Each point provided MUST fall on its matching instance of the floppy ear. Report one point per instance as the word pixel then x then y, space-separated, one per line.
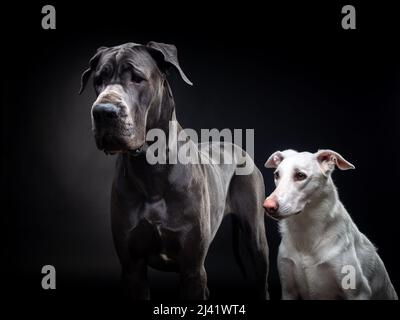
pixel 276 158
pixel 92 65
pixel 169 57
pixel 328 159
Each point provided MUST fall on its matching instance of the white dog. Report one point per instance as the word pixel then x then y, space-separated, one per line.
pixel 322 254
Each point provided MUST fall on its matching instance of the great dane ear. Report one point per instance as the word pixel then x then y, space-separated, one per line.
pixel 92 65
pixel 328 159
pixel 169 55
pixel 277 157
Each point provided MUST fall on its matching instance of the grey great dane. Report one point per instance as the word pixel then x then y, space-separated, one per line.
pixel 166 215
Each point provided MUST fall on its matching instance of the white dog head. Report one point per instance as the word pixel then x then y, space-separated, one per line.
pixel 300 178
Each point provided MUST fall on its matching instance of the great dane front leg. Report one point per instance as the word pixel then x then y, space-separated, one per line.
pixel 194 284
pixel 134 279
pixel 192 272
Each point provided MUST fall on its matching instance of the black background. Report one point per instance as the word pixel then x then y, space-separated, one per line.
pixel 288 71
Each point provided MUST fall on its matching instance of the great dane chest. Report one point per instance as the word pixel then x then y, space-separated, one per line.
pixel 155 235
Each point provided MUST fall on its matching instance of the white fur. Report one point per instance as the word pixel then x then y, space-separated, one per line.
pixel 319 241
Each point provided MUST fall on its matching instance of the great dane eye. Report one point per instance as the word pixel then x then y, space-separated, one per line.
pixel 298 176
pixel 276 175
pixel 136 78
pixel 98 81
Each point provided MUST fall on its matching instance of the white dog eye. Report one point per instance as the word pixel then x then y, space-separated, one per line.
pixel 298 176
pixel 276 175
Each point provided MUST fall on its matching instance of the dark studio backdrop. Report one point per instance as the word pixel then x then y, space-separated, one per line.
pixel 288 71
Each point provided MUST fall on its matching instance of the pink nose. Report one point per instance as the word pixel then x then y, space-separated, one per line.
pixel 271 205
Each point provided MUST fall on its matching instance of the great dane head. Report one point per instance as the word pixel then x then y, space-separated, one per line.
pixel 131 88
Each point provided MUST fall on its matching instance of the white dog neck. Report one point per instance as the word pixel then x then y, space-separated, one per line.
pixel 306 230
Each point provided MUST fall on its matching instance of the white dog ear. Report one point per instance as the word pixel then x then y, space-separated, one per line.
pixel 276 158
pixel 328 159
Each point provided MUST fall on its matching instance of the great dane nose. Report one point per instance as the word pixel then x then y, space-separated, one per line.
pixel 271 205
pixel 105 111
